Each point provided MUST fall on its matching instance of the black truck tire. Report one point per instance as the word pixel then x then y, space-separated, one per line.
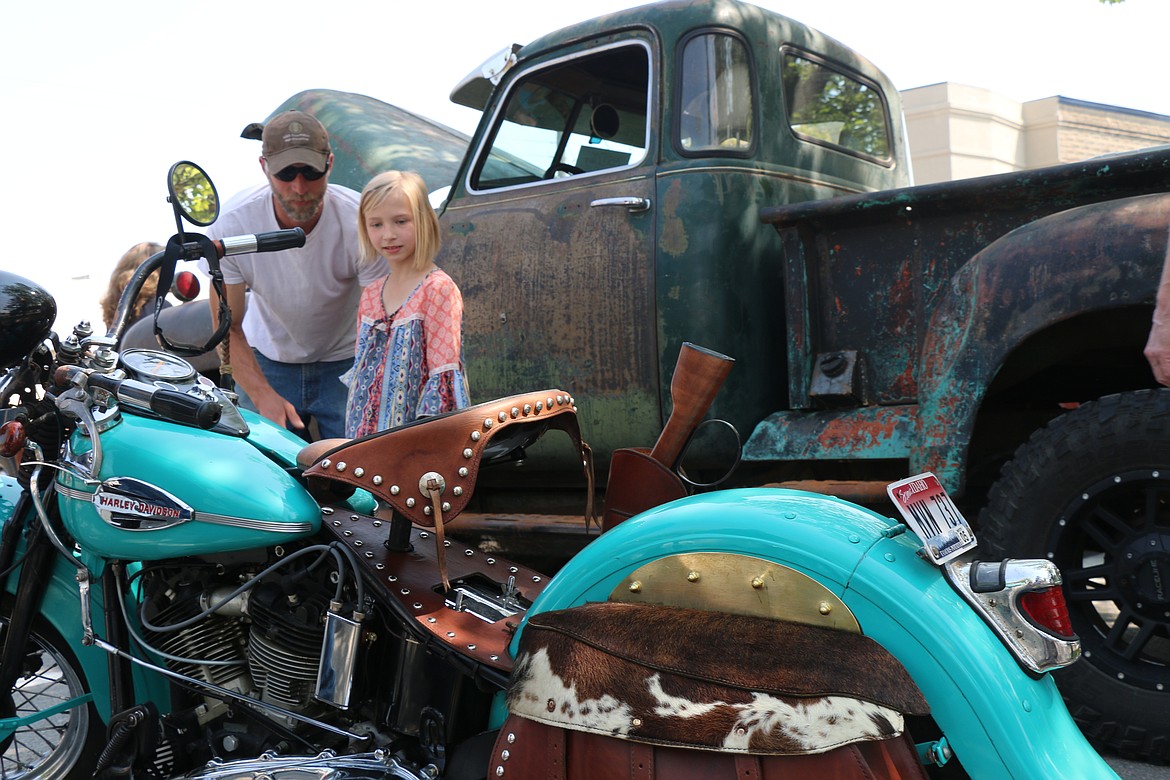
pixel 1091 492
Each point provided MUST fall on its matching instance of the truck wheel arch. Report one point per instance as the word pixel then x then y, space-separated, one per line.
pixel 1092 260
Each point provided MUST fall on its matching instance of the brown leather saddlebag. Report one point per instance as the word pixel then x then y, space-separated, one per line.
pixel 640 691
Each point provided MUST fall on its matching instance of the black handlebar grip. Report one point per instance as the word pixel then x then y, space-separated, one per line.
pixel 276 240
pixel 187 409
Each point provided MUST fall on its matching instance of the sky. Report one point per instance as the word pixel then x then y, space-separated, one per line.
pixel 101 98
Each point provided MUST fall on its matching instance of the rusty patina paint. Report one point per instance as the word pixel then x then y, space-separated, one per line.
pixel 944 287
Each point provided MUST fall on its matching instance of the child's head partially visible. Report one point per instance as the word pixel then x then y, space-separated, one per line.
pixel 409 190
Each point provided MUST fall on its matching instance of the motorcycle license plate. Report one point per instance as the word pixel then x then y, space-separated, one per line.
pixel 933 516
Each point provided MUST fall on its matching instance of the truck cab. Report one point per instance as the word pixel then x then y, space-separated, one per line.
pixel 608 207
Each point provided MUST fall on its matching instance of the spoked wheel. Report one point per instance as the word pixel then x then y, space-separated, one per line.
pixel 65 745
pixel 1091 492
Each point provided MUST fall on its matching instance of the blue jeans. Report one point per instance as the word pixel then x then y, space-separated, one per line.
pixel 314 389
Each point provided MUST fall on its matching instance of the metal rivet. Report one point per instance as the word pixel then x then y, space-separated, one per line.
pixel 405 591
pixel 418 605
pixel 336 523
pixel 469 553
pixel 355 518
pixel 539 406
pixel 496 658
pixel 347 533
pixel 560 400
pixel 369 554
pixel 377 480
pixel 424 535
pixel 475 435
pixel 825 608
pixel 427 510
pixel 515 412
pixel 513 569
pixel 326 510
pixel 693 576
pixel 548 402
pixel 341 465
pixel 357 542
pixel 451 634
pixel 635 587
pixel 527 409
pixel 410 503
pixel 505 754
pixel 491 561
pixel 503 416
pixel 326 463
pixel 359 472
pixel 379 566
pixel 446 542
pixel 392 578
pixel 499 771
pixel 758 583
pixel 536 578
pixel 636 722
pixel 377 524
pixel 471 647
pixel 446 506
pixel 463 472
pixel 511 738
pixel 487 423
pixel 467 453
pixel 394 489
pixel 457 490
pixel 432 620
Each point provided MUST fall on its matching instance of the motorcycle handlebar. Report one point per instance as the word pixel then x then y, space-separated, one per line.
pixel 168 404
pixel 272 241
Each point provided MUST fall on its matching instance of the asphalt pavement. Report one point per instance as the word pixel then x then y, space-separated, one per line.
pixel 1132 770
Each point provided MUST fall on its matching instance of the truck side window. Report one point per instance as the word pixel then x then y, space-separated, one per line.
pixel 575 116
pixel 827 106
pixel 715 95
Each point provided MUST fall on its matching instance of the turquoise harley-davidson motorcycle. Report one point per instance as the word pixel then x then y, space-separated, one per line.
pixel 190 591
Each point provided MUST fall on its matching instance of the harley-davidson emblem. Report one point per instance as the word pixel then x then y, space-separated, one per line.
pixel 134 505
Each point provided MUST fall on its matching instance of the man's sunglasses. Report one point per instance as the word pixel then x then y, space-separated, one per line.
pixel 290 173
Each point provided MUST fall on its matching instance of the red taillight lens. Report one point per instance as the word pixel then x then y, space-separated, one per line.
pixel 1047 609
pixel 185 286
pixel 12 438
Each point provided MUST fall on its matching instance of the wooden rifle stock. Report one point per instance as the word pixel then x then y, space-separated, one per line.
pixel 698 375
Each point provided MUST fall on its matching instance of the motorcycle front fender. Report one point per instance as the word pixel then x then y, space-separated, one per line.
pixel 1001 721
pixel 61 608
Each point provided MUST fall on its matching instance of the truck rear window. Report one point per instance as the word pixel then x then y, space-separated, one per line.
pixel 830 107
pixel 715 95
pixel 572 117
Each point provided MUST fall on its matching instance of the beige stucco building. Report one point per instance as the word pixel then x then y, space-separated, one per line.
pixel 957 131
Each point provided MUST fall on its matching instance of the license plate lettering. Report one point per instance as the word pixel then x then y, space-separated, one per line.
pixel 931 514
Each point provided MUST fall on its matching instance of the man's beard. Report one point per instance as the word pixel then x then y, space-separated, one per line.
pixel 304 211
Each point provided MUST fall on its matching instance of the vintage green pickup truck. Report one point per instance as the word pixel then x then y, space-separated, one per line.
pixel 716 173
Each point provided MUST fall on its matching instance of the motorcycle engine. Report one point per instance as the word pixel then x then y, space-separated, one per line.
pixel 264 642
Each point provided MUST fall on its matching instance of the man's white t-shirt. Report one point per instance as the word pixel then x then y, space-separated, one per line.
pixel 303 302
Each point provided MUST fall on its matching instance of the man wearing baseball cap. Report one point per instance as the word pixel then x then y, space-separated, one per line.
pixel 293 336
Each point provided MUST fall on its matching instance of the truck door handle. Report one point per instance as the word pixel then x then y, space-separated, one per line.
pixel 635 205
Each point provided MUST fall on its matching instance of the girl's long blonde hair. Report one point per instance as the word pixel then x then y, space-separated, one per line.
pixel 426 222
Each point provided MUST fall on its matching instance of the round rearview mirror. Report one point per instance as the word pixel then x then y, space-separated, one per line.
pixel 193 194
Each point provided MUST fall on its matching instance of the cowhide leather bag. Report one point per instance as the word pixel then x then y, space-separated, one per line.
pixel 612 691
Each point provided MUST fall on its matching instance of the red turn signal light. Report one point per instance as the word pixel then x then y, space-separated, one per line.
pixel 1048 610
pixel 186 286
pixel 12 438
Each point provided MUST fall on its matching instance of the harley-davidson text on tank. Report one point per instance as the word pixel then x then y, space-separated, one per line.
pixel 134 505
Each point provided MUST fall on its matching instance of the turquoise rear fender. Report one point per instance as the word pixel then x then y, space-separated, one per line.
pixel 1001 722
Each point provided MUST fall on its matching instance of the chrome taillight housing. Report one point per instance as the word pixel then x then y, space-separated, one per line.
pixel 1022 602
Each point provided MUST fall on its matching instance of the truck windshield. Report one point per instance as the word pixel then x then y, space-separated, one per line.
pixel 575 116
pixel 828 106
